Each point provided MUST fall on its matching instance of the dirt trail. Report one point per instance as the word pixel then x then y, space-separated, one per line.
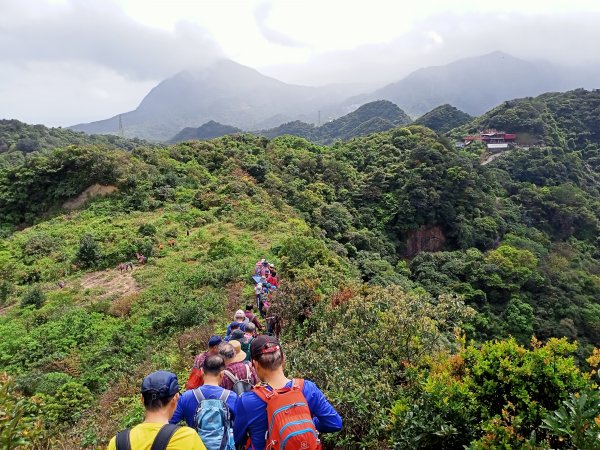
pixel 111 282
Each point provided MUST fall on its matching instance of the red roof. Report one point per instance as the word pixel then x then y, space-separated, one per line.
pixel 510 136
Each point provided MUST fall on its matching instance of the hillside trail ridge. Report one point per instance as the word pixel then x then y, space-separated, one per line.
pixel 94 190
pixel 493 156
pixel 111 282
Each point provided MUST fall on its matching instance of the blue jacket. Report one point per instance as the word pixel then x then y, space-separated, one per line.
pixel 242 327
pixel 187 404
pixel 251 415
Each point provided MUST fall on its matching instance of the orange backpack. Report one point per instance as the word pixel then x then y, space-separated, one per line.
pixel 290 424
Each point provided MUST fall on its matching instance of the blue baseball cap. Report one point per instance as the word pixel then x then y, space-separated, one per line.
pixel 214 340
pixel 162 383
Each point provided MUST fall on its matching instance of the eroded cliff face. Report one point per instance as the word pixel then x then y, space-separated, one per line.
pixel 427 238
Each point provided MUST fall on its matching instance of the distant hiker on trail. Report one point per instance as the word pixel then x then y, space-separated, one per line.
pixel 258 288
pixel 239 374
pixel 252 318
pixel 240 318
pixel 272 280
pixel 160 247
pixel 61 284
pixel 130 265
pixel 171 242
pixel 122 267
pixel 272 270
pixel 281 410
pixel 209 409
pixel 160 395
pixel 187 232
pixel 258 266
pixel 141 259
pixel 196 377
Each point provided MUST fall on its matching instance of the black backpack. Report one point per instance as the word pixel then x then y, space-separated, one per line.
pixel 161 441
pixel 243 385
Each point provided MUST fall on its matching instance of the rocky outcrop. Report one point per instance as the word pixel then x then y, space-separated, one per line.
pixel 426 238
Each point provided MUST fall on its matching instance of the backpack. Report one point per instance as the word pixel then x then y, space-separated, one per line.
pixel 290 423
pixel 240 386
pixel 161 441
pixel 245 343
pixel 212 421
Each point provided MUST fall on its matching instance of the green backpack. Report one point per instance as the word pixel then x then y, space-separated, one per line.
pixel 245 344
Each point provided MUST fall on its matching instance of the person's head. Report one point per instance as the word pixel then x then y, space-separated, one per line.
pixel 240 355
pixel 227 351
pixel 250 328
pixel 267 356
pixel 213 367
pixel 236 335
pixel 239 316
pixel 235 326
pixel 213 344
pixel 249 307
pixel 160 392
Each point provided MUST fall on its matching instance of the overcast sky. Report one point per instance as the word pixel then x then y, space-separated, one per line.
pixel 69 61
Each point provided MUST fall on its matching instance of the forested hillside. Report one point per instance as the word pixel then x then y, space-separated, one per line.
pixel 20 137
pixel 444 118
pixel 372 117
pixel 438 303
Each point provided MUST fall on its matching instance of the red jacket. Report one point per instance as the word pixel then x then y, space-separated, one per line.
pixel 272 281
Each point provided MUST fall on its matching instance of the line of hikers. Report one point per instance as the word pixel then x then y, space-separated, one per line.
pixel 237 395
pixel 240 405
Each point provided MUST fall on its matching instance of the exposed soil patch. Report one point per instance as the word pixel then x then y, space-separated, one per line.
pixel 111 283
pixel 93 191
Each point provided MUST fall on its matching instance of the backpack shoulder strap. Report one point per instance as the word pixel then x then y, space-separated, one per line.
pixel 248 373
pixel 199 395
pixel 298 383
pixel 231 376
pixel 225 395
pixel 161 441
pixel 122 440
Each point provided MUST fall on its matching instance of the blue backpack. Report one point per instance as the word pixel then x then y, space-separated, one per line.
pixel 212 421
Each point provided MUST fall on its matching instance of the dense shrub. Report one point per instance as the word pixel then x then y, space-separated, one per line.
pixel 33 297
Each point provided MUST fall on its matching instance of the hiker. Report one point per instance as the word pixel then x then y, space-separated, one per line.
pixel 239 375
pixel 160 396
pixel 235 326
pixel 251 317
pixel 279 409
pixel 171 242
pixel 61 284
pixel 258 266
pixel 209 409
pixel 187 232
pixel 122 267
pixel 213 349
pixel 272 280
pixel 246 340
pixel 130 264
pixel 240 318
pixel 272 269
pixel 258 288
pixel 196 377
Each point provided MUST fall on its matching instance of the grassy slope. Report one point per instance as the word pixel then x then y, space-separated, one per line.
pixel 111 342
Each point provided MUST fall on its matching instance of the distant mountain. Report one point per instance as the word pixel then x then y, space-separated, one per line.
pixel 370 118
pixel 209 130
pixel 475 85
pixel 225 92
pixel 444 118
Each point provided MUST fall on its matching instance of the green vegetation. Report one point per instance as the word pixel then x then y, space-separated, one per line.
pixel 438 303
pixel 372 117
pixel 444 118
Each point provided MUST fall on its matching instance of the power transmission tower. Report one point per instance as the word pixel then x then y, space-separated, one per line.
pixel 121 130
pixel 319 117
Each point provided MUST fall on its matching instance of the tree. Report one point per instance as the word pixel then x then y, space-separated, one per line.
pixel 89 253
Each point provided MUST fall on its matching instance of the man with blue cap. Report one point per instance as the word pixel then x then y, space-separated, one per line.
pixel 160 393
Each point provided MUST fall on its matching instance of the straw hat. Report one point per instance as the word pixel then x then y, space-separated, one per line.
pixel 240 355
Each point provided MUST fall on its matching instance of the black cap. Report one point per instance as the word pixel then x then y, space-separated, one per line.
pixel 263 344
pixel 163 383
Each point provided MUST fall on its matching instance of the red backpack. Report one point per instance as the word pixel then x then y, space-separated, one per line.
pixel 290 424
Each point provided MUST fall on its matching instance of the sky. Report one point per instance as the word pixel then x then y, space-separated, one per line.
pixel 69 61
